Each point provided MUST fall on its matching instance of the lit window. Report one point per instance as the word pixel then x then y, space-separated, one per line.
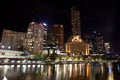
pixel 51 51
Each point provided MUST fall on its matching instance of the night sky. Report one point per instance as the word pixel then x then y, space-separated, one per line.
pixel 100 15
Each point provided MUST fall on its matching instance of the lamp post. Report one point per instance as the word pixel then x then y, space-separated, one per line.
pixel 2 46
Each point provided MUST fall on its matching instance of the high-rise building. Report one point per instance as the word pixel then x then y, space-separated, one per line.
pixel 36 36
pixel 75 21
pixel 56 35
pixel 75 44
pixel 13 39
pixel 97 43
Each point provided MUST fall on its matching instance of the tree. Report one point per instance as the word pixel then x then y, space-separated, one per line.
pixel 53 56
pixel 37 56
pixel 21 48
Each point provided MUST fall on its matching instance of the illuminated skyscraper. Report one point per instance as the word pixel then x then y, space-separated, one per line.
pixel 75 21
pixel 98 43
pixel 56 35
pixel 36 35
pixel 13 39
pixel 75 44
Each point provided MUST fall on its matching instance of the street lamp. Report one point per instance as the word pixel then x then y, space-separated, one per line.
pixel 9 47
pixel 3 46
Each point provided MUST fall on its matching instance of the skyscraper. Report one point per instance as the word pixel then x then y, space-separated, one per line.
pixel 97 43
pixel 36 35
pixel 75 44
pixel 56 35
pixel 75 21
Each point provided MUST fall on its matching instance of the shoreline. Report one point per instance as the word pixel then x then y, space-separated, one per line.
pixel 39 62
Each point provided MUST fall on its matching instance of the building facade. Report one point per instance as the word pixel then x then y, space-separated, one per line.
pixel 96 43
pixel 56 35
pixel 77 46
pixel 36 35
pixel 75 21
pixel 107 48
pixel 12 39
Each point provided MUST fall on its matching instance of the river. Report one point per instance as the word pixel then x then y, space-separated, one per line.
pixel 81 71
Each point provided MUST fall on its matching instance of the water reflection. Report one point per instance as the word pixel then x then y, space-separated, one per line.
pixel 83 71
pixel 110 72
pixel 5 78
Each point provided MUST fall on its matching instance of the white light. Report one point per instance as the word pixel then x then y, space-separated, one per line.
pixel 9 47
pixel 18 61
pixel 24 66
pixel 3 46
pixel 38 65
pixel 12 66
pixel 29 65
pixel 18 65
pixel 58 52
pixel 6 60
pixel 33 65
pixel 12 61
pixel 44 24
pixel 29 61
pixel 32 22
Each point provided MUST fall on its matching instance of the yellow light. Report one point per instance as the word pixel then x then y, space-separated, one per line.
pixel 76 38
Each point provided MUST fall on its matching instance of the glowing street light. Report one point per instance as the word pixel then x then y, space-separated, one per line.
pixel 3 46
pixel 44 24
pixel 9 47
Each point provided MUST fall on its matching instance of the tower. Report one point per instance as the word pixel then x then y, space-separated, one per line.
pixel 75 21
pixel 75 44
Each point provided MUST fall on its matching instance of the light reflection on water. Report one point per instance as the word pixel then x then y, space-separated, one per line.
pixel 83 71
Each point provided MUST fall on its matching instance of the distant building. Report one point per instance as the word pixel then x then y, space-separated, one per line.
pixel 107 47
pixel 36 37
pixel 12 39
pixel 56 35
pixel 96 43
pixel 88 40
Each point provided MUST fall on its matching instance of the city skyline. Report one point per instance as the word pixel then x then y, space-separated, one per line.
pixel 102 18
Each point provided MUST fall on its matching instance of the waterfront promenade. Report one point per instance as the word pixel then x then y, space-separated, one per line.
pixel 11 61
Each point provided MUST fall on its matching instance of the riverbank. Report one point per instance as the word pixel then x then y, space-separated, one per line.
pixel 39 62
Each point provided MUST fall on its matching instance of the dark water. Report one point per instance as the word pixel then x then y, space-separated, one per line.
pixel 83 71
